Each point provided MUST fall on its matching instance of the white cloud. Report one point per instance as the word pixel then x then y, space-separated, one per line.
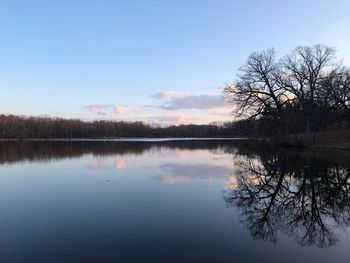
pixel 121 110
pixel 176 173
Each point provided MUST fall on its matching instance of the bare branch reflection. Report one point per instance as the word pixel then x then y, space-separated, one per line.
pixel 305 197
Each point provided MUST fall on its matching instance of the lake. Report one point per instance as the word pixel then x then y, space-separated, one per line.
pixel 172 201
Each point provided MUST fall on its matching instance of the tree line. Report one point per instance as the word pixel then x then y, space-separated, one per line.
pixel 304 91
pixel 21 127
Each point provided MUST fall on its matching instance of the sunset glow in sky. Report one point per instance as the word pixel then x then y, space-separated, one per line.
pixel 155 61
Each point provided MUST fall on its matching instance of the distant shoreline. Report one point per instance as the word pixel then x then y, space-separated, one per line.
pixel 131 139
pixel 335 140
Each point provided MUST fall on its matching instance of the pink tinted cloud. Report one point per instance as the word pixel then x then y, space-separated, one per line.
pixel 97 108
pixel 122 110
pixel 120 164
pixel 137 110
pixel 168 94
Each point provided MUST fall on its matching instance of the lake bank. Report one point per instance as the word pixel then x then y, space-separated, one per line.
pixel 129 139
pixel 338 140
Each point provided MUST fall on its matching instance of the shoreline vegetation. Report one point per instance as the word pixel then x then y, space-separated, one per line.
pixel 20 128
pixel 337 140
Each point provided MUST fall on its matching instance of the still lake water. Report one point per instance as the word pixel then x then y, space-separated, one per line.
pixel 172 201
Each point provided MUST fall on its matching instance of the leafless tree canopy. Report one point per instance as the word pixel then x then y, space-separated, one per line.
pixel 299 87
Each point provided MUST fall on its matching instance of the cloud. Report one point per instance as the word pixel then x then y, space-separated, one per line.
pixel 100 164
pixel 202 102
pixel 171 120
pixel 120 164
pixel 175 173
pixel 137 110
pixel 167 94
pixel 231 183
pixel 223 112
pixel 121 110
pixel 97 108
pixel 165 119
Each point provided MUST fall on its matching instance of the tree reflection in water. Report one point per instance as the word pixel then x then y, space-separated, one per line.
pixel 302 195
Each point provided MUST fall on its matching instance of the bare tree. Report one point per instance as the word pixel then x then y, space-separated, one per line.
pixel 304 73
pixel 337 88
pixel 305 69
pixel 257 92
pixel 303 91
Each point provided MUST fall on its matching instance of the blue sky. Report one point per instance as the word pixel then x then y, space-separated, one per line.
pixel 157 61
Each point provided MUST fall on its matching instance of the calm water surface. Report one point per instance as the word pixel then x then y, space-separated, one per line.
pixel 172 201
